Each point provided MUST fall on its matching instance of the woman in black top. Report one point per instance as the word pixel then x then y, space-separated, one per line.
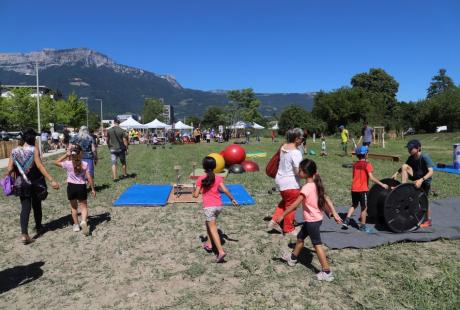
pixel 26 164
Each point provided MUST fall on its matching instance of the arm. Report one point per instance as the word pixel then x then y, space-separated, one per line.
pixel 94 150
pixel 107 139
pixel 224 189
pixel 376 181
pixel 418 183
pixel 330 207
pixel 196 193
pixel 126 143
pixel 41 167
pixel 290 208
pixel 58 162
pixel 91 183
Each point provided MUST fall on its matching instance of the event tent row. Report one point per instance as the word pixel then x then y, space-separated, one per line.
pixel 156 124
pixel 131 123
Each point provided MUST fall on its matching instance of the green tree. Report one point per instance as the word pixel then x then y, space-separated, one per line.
pixel 195 120
pixel 378 81
pixel 22 110
pixel 439 83
pixel 71 112
pixel 244 105
pixel 295 116
pixel 153 108
pixel 213 117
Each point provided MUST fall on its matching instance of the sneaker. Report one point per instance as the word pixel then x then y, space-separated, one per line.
pixel 76 227
pixel 287 257
pixel 220 258
pixel 346 223
pixel 426 224
pixel 272 225
pixel 322 276
pixel 366 229
pixel 84 228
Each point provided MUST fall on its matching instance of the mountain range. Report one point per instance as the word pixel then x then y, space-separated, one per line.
pixel 91 74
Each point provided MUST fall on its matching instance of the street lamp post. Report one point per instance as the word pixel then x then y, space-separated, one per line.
pixel 39 125
pixel 87 109
pixel 102 125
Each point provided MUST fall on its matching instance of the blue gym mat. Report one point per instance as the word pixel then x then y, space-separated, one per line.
pixel 448 169
pixel 144 195
pixel 239 193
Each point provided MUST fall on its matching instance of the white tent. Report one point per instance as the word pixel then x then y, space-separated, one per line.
pixel 156 124
pixel 275 127
pixel 257 126
pixel 181 126
pixel 131 123
pixel 240 125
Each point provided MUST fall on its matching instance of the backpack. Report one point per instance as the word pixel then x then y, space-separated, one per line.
pixel 272 166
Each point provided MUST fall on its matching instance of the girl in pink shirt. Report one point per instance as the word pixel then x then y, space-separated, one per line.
pixel 77 174
pixel 209 185
pixel 314 203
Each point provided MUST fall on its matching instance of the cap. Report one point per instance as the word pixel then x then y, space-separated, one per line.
pixel 341 127
pixel 413 144
pixel 116 120
pixel 361 150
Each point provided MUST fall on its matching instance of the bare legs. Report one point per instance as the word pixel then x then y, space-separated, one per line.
pixel 213 236
pixel 319 252
pixel 74 210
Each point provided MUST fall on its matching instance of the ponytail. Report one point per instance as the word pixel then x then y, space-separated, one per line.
pixel 75 155
pixel 308 167
pixel 209 164
pixel 320 192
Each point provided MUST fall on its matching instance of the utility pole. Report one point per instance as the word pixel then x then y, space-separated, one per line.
pixel 102 124
pixel 39 125
pixel 87 110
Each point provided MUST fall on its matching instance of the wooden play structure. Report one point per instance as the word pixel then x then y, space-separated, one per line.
pixel 379 136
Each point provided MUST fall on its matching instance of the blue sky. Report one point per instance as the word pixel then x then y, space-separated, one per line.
pixel 271 46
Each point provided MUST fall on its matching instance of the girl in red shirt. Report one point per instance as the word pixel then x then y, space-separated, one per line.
pixel 210 186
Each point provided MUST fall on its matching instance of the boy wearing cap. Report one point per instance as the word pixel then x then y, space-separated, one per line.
pixel 418 168
pixel 362 172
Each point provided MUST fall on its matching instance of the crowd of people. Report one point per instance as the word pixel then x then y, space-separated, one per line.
pixel 80 159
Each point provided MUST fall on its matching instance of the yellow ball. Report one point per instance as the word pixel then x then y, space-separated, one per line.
pixel 220 162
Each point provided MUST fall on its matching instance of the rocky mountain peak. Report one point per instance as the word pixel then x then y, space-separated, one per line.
pixel 24 63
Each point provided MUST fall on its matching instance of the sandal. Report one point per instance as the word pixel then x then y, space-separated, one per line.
pixel 27 241
pixel 220 258
pixel 206 247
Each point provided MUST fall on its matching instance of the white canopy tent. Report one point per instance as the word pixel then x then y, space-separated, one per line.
pixel 257 126
pixel 181 126
pixel 275 127
pixel 132 123
pixel 240 125
pixel 156 124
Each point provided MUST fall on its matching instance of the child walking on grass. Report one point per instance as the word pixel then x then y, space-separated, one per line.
pixel 209 185
pixel 314 202
pixel 362 172
pixel 77 174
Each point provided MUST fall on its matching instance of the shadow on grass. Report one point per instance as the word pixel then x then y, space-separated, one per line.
pixel 100 188
pixel 223 239
pixel 14 277
pixel 66 221
pixel 305 258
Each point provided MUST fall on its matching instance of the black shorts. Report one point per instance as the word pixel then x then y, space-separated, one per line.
pixel 359 198
pixel 311 229
pixel 76 191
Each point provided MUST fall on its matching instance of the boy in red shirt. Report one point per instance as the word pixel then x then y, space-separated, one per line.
pixel 362 172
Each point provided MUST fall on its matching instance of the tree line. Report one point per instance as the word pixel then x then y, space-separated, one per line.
pixel 371 97
pixel 20 111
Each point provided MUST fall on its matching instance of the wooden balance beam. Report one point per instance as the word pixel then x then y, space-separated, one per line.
pixel 394 158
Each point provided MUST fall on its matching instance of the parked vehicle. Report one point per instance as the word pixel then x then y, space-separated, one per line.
pixel 409 131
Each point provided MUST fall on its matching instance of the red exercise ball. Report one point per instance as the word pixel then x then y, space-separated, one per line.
pixel 234 154
pixel 250 166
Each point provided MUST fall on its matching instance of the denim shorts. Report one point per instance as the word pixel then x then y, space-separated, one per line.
pixel 211 213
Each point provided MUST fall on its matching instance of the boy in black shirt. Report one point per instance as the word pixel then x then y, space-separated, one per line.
pixel 418 168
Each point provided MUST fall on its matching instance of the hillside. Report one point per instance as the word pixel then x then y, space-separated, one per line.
pixel 123 88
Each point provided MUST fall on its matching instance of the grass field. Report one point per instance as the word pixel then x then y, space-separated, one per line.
pixel 151 258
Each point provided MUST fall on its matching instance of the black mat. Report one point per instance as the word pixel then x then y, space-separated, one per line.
pixel 446 224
